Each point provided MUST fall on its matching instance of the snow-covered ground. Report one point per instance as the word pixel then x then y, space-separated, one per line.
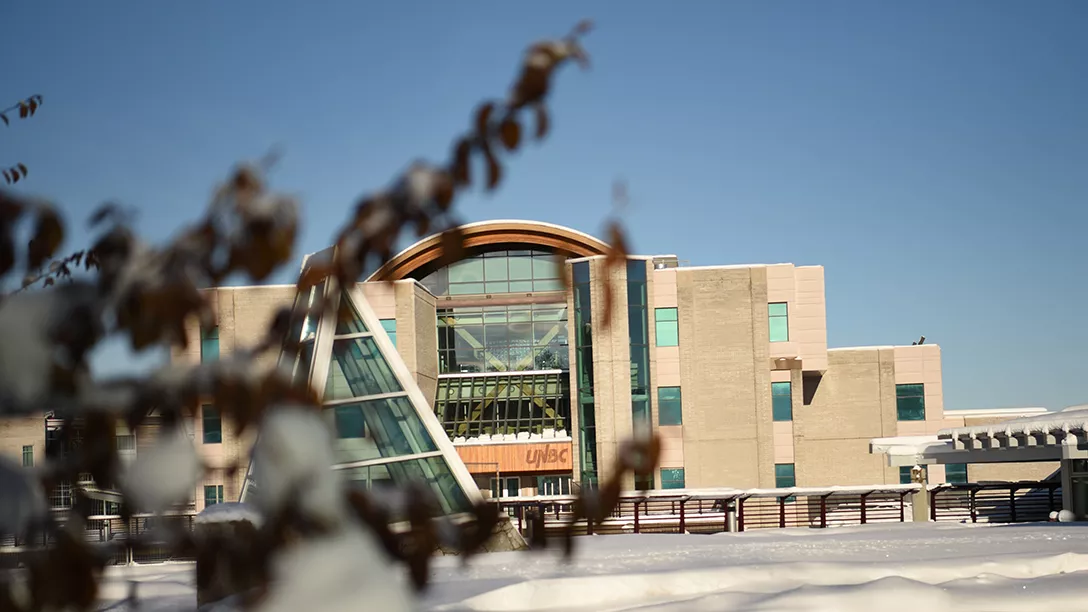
pixel 910 566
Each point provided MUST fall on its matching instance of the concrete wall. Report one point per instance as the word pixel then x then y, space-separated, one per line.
pixel 17 432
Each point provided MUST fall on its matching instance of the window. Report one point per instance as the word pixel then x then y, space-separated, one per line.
pixel 669 406
pixel 390 327
pixel 349 422
pixel 213 424
pixel 904 475
pixel 510 487
pixel 672 478
pixel 553 485
pixel 779 320
pixel 513 338
pixel 667 327
pixel 955 473
pixel 474 406
pixel 213 494
pixel 910 402
pixel 516 271
pixel 209 344
pixel 784 477
pixel 782 401
pixel 28 456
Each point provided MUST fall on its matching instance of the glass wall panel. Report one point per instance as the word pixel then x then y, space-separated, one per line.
pixel 669 406
pixel 672 478
pixel 392 428
pixel 583 325
pixel 498 272
pixel 432 471
pixel 784 477
pixel 358 370
pixel 955 473
pixel 667 327
pixel 502 338
pixel 778 320
pixel 503 405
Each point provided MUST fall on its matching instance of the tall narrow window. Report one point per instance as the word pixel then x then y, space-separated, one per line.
pixel 782 401
pixel 904 474
pixel 669 406
pixel 955 473
pixel 784 477
pixel 209 344
pixel 672 478
pixel 28 456
pixel 212 423
pixel 390 327
pixel 667 327
pixel 505 487
pixel 778 317
pixel 910 402
pixel 639 334
pixel 213 494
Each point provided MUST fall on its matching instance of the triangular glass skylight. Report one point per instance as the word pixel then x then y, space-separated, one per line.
pixel 385 430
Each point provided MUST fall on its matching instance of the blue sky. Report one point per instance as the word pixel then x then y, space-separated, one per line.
pixel 933 156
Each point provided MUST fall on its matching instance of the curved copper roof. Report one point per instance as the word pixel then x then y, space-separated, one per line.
pixel 526 234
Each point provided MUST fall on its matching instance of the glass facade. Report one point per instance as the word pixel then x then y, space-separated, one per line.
pixel 639 334
pixel 782 401
pixel 784 477
pixel 498 272
pixel 779 320
pixel 910 402
pixel 381 434
pixel 667 327
pixel 473 406
pixel 503 338
pixel 583 343
pixel 672 478
pixel 669 406
pixel 213 494
pixel 211 424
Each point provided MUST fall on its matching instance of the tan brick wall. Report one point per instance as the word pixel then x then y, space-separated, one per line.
pixel 854 403
pixel 17 432
pixel 417 335
pixel 725 375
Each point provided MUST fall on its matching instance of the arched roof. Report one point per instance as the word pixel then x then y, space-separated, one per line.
pixel 481 235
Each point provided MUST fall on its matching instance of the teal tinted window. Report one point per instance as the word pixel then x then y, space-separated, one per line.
pixel 782 401
pixel 669 410
pixel 209 344
pixel 28 456
pixel 667 327
pixel 955 473
pixel 784 476
pixel 348 321
pixel 212 424
pixel 431 471
pixel 357 370
pixel 779 321
pixel 390 327
pixel 349 421
pixel 910 402
pixel 904 475
pixel 213 494
pixel 393 426
pixel 672 478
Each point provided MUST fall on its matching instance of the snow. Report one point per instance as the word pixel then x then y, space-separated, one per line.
pixel 1073 418
pixel 227 512
pixel 165 474
pixel 940 566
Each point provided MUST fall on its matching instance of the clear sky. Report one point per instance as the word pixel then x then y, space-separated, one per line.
pixel 932 155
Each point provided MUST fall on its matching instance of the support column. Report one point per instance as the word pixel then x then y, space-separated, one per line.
pixel 1066 469
pixel 919 504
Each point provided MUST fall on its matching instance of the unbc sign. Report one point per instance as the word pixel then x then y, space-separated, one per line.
pixel 549 458
pixel 517 457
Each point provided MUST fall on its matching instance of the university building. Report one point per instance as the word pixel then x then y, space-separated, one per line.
pixel 728 364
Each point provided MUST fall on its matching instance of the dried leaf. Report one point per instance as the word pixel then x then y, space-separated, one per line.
pixel 453 245
pixel 510 131
pixel 33 106
pixel 48 235
pixel 4 118
pixel 461 160
pixel 542 124
pixel 494 171
pixel 21 168
pixel 483 116
pixel 24 110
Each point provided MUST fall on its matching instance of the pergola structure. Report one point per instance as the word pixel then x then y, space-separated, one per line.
pixel 1054 436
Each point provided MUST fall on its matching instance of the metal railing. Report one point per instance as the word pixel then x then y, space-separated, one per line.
pixel 108 530
pixel 1005 502
pixel 714 511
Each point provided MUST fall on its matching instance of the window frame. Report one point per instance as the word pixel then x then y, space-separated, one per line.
pixel 901 396
pixel 664 403
pixel 28 455
pixel 671 481
pixel 966 473
pixel 390 328
pixel 504 489
pixel 208 337
pixel 217 491
pixel 204 418
pixel 905 475
pixel 779 478
pixel 661 322
pixel 775 412
pixel 772 317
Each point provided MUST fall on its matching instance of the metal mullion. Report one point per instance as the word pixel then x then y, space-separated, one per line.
pixel 386 460
pixel 365 398
pixel 353 336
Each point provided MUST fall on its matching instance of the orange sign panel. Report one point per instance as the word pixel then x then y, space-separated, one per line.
pixel 541 457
